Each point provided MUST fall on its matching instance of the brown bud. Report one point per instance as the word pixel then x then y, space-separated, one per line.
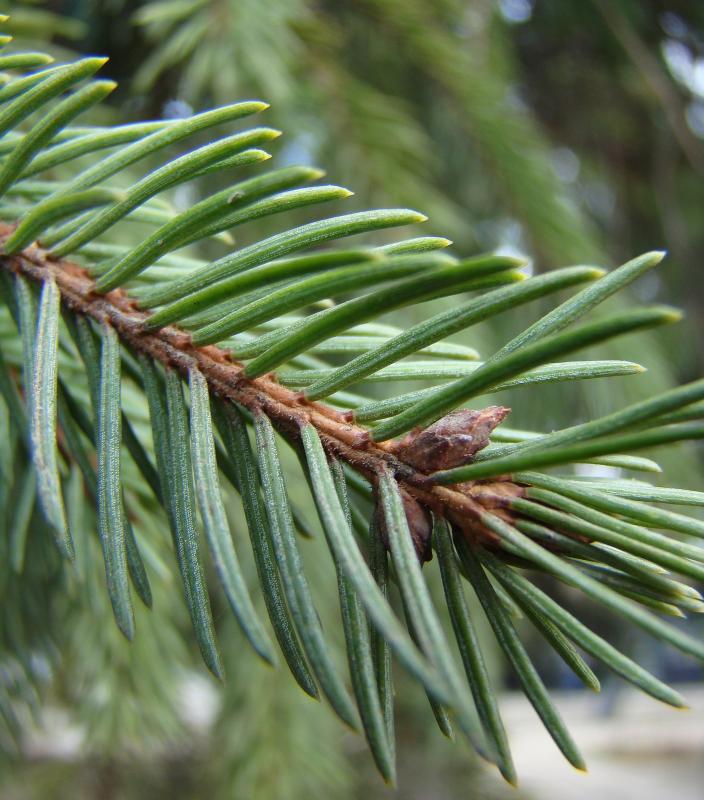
pixel 451 441
pixel 496 496
pixel 419 524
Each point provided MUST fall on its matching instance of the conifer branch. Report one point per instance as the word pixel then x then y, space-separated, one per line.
pixel 453 482
pixel 288 411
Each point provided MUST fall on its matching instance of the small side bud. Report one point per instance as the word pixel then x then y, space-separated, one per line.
pixel 419 524
pixel 451 441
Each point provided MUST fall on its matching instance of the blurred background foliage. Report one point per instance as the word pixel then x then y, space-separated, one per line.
pixel 568 132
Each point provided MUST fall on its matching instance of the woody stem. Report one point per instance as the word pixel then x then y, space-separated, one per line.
pixel 287 410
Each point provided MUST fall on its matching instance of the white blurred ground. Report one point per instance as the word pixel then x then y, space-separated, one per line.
pixel 640 750
pixel 635 748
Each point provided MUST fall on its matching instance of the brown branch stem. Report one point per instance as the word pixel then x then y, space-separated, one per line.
pixel 287 410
